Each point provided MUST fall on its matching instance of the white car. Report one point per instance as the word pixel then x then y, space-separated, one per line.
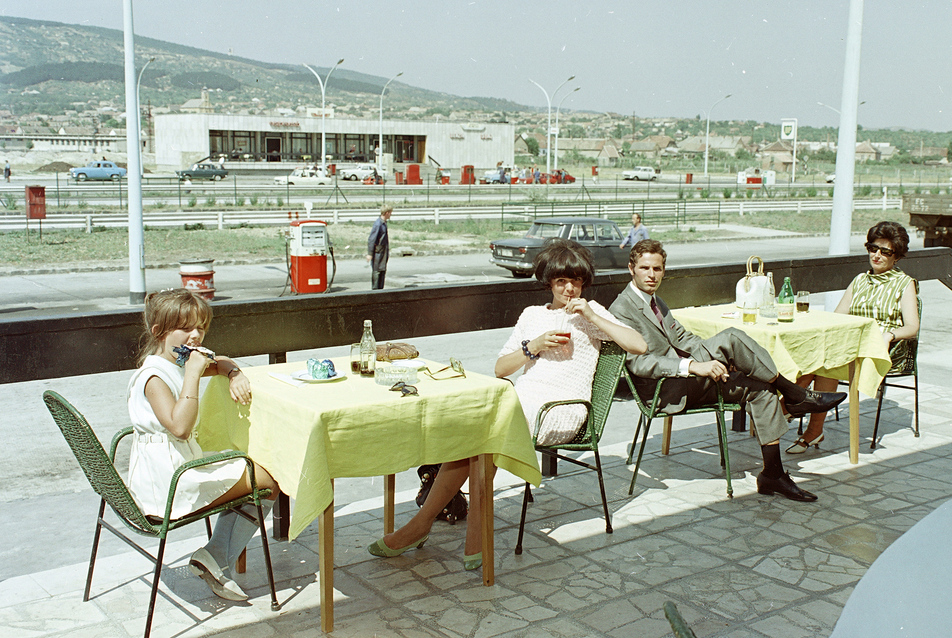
pixel 313 176
pixel 357 172
pixel 640 173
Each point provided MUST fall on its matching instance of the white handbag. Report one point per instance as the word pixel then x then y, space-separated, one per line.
pixel 750 289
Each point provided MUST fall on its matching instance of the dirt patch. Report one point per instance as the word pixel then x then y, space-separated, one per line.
pixel 54 167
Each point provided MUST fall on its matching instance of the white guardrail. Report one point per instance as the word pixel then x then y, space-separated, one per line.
pixel 228 218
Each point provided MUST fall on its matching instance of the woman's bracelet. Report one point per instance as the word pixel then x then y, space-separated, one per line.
pixel 525 350
pixel 233 371
pixel 185 396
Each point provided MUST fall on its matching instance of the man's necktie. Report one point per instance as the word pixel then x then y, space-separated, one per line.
pixel 657 311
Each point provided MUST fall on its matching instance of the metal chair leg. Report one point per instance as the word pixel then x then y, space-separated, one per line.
pixel 155 586
pixel 879 407
pixel 601 487
pixel 208 527
pixel 267 557
pixel 92 556
pixel 641 451
pixel 725 454
pixel 522 519
pixel 915 404
pixel 634 441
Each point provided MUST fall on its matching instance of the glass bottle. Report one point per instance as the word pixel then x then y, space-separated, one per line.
pixel 368 350
pixel 786 303
pixel 768 309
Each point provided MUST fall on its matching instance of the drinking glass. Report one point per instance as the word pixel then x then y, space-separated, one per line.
pixel 803 301
pixel 355 358
pixel 749 312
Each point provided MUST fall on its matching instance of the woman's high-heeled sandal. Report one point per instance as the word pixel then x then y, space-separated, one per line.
pixel 801 445
pixel 472 561
pixel 379 548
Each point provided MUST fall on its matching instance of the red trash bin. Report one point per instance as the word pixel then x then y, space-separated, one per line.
pixel 36 202
pixel 413 174
pixel 689 178
pixel 467 174
pixel 594 171
pixel 398 176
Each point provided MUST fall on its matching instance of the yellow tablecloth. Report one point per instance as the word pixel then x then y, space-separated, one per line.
pixel 306 436
pixel 819 342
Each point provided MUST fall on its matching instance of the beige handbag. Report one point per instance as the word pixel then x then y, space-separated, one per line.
pixel 750 289
pixel 394 351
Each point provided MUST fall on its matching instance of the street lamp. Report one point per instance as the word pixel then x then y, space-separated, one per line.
pixel 380 139
pixel 138 103
pixel 323 83
pixel 548 130
pixel 707 136
pixel 559 108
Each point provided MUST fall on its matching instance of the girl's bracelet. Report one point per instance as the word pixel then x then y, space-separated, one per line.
pixel 185 396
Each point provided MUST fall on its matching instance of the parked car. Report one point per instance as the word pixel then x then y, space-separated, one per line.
pixel 491 177
pixel 356 172
pixel 645 173
pixel 305 175
pixel 560 176
pixel 601 236
pixel 203 171
pixel 831 178
pixel 98 170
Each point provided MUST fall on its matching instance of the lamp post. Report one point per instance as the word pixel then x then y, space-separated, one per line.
pixel 323 84
pixel 707 135
pixel 380 139
pixel 138 103
pixel 548 130
pixel 559 108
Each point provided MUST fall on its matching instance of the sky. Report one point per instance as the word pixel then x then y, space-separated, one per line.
pixel 776 59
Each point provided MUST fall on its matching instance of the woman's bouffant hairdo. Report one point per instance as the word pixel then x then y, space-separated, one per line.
pixel 893 232
pixel 563 258
pixel 170 310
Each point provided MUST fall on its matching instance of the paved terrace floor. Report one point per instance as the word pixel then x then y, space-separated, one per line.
pixel 751 566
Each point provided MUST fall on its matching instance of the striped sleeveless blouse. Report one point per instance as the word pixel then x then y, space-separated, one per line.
pixel 878 297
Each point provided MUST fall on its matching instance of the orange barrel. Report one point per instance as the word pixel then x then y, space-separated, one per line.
pixel 198 276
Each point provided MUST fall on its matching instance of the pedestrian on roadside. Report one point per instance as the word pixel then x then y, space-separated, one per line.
pixel 6 171
pixel 638 232
pixel 378 248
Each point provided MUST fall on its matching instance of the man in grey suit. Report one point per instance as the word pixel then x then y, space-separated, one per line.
pixel 730 358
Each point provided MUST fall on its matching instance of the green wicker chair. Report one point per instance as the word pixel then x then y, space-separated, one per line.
pixel 105 480
pixel 650 412
pixel 678 626
pixel 611 362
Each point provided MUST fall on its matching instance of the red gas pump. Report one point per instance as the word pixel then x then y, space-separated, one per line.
pixel 307 256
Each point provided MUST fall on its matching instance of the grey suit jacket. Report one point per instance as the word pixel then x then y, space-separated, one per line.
pixel 661 360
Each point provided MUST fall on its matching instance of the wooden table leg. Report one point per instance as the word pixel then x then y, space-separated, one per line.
pixel 854 412
pixel 281 517
pixel 666 435
pixel 326 565
pixel 484 486
pixel 389 488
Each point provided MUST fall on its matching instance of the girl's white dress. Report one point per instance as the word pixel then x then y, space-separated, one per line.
pixel 156 453
pixel 559 373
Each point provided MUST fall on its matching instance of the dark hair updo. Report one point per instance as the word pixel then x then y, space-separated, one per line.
pixel 894 233
pixel 563 258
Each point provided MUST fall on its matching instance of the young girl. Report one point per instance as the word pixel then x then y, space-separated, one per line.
pixel 163 407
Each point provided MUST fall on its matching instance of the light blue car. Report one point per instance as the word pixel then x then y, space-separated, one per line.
pixel 100 170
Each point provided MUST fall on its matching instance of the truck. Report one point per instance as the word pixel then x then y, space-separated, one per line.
pixel 101 170
pixel 931 214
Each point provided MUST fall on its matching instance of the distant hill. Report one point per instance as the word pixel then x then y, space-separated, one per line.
pixel 48 66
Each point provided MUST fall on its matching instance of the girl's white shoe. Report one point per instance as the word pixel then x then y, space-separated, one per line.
pixel 203 565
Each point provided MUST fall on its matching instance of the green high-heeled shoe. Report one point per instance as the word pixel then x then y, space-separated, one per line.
pixel 379 548
pixel 472 561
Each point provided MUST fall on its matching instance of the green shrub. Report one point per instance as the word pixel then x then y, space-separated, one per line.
pixel 210 200
pixel 280 202
pixel 196 226
pixel 811 192
pixel 192 201
pixel 866 191
pixel 749 193
pixel 240 201
pixel 830 191
pixel 253 199
pixel 9 201
pixel 705 193
pixel 728 193
pixel 82 203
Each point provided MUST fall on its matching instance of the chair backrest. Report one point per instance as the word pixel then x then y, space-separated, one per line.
pixel 903 353
pixel 96 464
pixel 611 362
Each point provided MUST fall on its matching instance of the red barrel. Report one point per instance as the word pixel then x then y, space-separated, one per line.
pixel 198 276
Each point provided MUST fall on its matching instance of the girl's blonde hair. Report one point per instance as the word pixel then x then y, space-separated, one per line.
pixel 170 310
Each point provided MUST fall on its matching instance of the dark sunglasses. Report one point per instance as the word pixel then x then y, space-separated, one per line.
pixel 404 389
pixel 454 365
pixel 871 248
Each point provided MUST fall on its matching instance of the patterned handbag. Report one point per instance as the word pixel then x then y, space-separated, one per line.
pixel 455 510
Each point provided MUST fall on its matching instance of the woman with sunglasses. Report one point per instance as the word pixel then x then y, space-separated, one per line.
pixel 883 293
pixel 556 347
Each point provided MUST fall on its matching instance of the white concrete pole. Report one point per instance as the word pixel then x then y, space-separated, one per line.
pixel 842 217
pixel 134 172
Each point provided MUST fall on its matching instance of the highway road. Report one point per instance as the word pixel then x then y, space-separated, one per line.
pixel 42 294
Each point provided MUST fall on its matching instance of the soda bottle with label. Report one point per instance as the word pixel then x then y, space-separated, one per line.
pixel 368 350
pixel 786 303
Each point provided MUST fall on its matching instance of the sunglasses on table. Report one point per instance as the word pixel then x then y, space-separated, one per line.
pixel 404 389
pixel 454 365
pixel 871 248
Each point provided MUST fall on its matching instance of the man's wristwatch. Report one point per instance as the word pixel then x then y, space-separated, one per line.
pixel 525 350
